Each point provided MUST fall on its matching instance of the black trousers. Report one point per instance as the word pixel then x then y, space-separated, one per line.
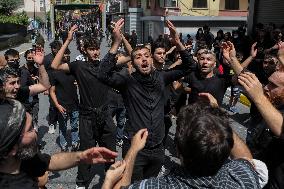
pixel 93 131
pixel 148 162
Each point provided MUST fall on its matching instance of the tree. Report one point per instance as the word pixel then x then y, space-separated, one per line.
pixel 8 6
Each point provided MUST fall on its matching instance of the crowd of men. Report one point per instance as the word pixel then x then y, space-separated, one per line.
pixel 145 86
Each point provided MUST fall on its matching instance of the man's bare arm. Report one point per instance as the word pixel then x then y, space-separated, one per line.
pixel 43 84
pixel 56 63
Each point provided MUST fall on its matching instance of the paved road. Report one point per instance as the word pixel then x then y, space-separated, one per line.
pixel 66 179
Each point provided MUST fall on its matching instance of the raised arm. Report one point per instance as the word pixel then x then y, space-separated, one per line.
pixel 138 142
pixel 229 53
pixel 187 61
pixel 272 117
pixel 106 70
pixel 126 45
pixel 56 63
pixel 43 84
pixel 253 52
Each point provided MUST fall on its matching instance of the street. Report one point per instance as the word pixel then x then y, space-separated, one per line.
pixel 66 179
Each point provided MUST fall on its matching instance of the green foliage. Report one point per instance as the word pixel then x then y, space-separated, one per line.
pixel 19 18
pixel 8 6
pixel 39 20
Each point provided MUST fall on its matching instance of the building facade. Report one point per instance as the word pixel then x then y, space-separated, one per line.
pixel 35 7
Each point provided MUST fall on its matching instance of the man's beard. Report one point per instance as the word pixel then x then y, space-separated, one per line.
pixel 27 152
pixel 276 100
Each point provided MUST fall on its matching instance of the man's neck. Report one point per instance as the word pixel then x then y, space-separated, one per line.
pixel 10 166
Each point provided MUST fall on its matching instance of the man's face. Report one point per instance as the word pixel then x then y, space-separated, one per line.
pixel 11 87
pixel 143 61
pixel 54 51
pixel 28 141
pixel 207 63
pixel 66 58
pixel 159 55
pixel 269 65
pixel 275 88
pixel 93 53
pixel 13 61
pixel 30 59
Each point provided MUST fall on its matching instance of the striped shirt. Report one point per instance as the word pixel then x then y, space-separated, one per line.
pixel 234 174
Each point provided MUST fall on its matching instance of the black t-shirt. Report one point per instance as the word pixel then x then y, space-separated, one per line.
pixel 27 80
pixel 47 61
pixel 93 93
pixel 216 85
pixel 30 170
pixel 66 91
pixel 23 96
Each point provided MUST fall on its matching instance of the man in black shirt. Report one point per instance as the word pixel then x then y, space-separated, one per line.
pixel 20 161
pixel 143 95
pixel 29 76
pixel 11 81
pixel 52 113
pixel 95 120
pixel 63 92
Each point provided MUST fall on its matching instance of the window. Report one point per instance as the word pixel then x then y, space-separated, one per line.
pixel 148 4
pixel 200 3
pixel 232 4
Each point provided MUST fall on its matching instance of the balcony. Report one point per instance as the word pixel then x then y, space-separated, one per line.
pixel 241 13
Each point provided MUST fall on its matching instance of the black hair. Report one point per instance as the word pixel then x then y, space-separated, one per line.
pixel 204 138
pixel 11 52
pixel 67 51
pixel 90 42
pixel 55 44
pixel 158 44
pixel 137 48
pixel 28 52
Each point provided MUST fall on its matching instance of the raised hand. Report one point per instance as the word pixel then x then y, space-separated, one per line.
pixel 173 32
pixel 38 57
pixel 98 155
pixel 253 50
pixel 139 140
pixel 229 51
pixel 116 32
pixel 71 32
pixel 251 84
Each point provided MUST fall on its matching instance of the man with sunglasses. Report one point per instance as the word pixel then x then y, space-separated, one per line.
pixel 20 160
pixel 63 93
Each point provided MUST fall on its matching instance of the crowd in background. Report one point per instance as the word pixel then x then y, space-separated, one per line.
pixel 145 87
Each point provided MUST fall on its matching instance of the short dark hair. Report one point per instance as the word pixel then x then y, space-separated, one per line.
pixel 55 44
pixel 204 138
pixel 137 48
pixel 11 52
pixel 28 52
pixel 90 42
pixel 4 74
pixel 67 51
pixel 158 44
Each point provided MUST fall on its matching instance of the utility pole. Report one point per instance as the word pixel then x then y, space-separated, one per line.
pixel 45 17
